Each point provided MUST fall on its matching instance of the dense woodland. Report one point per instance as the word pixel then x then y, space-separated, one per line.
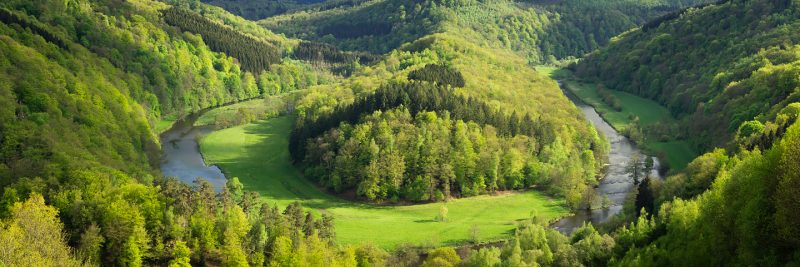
pixel 257 9
pixel 442 75
pixel 742 65
pixel 253 55
pixel 543 31
pixel 431 147
pixel 730 71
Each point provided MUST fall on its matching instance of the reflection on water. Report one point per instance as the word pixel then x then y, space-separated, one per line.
pixel 617 181
pixel 181 156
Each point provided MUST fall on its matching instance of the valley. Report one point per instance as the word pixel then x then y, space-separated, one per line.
pixel 399 133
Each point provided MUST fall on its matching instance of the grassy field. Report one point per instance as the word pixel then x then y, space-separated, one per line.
pixel 257 154
pixel 678 153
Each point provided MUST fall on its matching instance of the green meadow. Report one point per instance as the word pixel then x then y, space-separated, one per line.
pixel 257 154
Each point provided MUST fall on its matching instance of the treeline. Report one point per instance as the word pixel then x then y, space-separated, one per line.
pixel 253 55
pixel 355 29
pixel 321 52
pixel 417 97
pixel 439 74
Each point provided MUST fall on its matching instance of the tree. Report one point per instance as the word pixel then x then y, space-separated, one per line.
pixel 180 255
pixel 483 257
pixel 282 253
pixel 235 188
pixel 442 216
pixel 474 233
pixel 442 257
pixel 33 236
pixel 90 244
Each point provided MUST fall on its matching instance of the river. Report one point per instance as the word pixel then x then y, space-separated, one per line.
pixel 617 181
pixel 181 157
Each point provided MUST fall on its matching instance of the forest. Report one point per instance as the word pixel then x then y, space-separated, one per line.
pixel 400 116
pixel 744 66
pixel 431 146
pixel 253 55
pixel 544 33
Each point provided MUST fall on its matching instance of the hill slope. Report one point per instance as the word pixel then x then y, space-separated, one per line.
pixel 539 30
pixel 732 72
pixel 715 67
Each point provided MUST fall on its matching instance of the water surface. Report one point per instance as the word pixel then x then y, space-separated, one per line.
pixel 181 156
pixel 617 182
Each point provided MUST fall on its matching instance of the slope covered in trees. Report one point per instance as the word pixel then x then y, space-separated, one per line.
pixel 253 55
pixel 715 67
pixel 81 83
pixel 730 70
pixel 543 31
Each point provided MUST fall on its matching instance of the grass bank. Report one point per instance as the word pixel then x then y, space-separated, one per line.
pixel 257 153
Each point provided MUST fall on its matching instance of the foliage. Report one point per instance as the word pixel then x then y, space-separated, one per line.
pixel 321 52
pixel 744 218
pixel 438 74
pixel 715 67
pixel 412 154
pixel 543 31
pixel 253 55
pixel 33 236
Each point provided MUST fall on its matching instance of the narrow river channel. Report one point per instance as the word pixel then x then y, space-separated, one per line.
pixel 181 156
pixel 617 181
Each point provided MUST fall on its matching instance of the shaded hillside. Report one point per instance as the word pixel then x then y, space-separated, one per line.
pixel 538 29
pixel 715 67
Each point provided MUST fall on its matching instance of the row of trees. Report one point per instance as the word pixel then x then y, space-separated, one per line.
pixel 253 55
pixel 609 98
pixel 439 74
